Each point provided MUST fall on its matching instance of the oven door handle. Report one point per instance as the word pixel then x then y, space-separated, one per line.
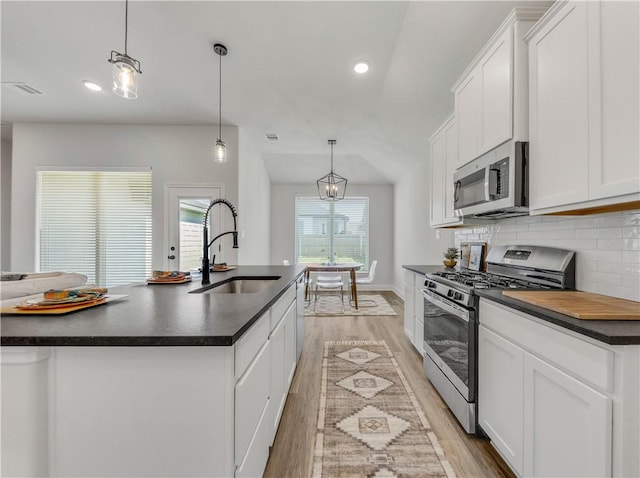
pixel 446 305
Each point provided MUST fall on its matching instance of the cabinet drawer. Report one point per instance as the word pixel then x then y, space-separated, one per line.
pixel 581 358
pixel 249 344
pixel 251 398
pixel 280 307
pixel 255 459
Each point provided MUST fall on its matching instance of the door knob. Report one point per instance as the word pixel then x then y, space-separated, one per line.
pixel 172 257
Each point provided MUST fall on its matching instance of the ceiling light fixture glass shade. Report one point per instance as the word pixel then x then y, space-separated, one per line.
pixel 332 186
pixel 220 152
pixel 361 67
pixel 220 149
pixel 125 68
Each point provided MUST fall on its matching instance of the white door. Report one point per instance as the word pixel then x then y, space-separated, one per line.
pixel 567 424
pixel 501 395
pixel 185 209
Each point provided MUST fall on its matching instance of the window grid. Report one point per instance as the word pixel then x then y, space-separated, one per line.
pixel 332 231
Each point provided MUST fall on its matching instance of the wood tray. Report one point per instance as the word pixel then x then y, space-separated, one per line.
pixel 225 269
pixel 61 309
pixel 180 281
pixel 581 305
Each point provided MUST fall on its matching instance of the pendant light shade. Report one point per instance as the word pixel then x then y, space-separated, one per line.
pixel 125 68
pixel 220 149
pixel 332 186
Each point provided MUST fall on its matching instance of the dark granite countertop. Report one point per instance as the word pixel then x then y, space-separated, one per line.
pixel 613 332
pixel 156 315
pixel 423 269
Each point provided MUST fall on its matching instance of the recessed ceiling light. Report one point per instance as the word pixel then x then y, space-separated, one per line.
pixel 92 86
pixel 361 67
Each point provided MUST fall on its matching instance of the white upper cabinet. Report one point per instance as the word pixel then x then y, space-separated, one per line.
pixel 468 101
pixel 585 108
pixel 444 144
pixel 491 96
pixel 496 110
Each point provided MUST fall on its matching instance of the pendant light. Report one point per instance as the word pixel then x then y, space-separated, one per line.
pixel 332 186
pixel 220 149
pixel 125 68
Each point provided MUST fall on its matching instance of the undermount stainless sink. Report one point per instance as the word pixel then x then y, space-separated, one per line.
pixel 238 285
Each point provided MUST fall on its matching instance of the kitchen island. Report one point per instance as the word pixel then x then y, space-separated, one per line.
pixel 164 382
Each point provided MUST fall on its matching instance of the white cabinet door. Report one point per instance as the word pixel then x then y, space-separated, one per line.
pixel 438 159
pixel 501 395
pixel 467 102
pixel 451 163
pixel 567 425
pixel 255 460
pixel 251 398
pixel 585 107
pixel 290 345
pixel 277 344
pixel 444 159
pixel 559 109
pixel 418 338
pixel 409 326
pixel 496 119
pixel 615 167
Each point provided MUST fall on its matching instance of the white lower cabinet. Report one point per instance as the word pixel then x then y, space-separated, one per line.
pixel 251 405
pixel 500 396
pixel 418 311
pixel 414 309
pixel 546 397
pixel 283 366
pixel 567 424
pixel 409 322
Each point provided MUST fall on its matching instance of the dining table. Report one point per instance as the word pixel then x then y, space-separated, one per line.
pixel 350 267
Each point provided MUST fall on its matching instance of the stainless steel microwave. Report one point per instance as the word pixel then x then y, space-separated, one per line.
pixel 494 185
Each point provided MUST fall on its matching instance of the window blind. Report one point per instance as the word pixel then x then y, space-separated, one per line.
pixel 332 231
pixel 97 223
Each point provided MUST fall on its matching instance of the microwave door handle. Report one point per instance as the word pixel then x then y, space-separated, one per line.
pixel 487 185
pixel 456 191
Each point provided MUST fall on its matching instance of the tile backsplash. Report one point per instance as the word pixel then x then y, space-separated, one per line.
pixel 607 246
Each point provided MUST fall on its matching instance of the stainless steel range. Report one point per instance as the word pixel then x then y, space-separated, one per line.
pixel 451 315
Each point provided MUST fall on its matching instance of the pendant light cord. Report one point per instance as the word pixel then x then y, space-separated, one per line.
pixel 126 24
pixel 220 97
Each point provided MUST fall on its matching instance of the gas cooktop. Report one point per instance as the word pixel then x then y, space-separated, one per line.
pixel 508 267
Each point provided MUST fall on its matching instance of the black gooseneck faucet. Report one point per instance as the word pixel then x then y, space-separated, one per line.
pixel 206 244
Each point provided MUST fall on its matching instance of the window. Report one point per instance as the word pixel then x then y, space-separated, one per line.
pixel 332 231
pixel 96 223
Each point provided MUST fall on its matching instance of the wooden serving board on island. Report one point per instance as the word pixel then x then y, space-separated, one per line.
pixel 581 305
pixel 59 309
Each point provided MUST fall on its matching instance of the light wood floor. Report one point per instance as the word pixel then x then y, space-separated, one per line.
pixel 292 452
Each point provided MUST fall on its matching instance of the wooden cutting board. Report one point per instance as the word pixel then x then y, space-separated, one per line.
pixel 581 305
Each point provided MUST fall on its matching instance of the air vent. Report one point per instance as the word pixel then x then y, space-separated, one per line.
pixel 25 88
pixel 271 136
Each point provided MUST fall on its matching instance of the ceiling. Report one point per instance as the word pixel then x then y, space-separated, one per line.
pixel 288 72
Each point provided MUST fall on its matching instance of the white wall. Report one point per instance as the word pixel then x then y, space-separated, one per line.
pixel 415 242
pixel 607 246
pixel 176 154
pixel 254 206
pixel 380 224
pixel 5 205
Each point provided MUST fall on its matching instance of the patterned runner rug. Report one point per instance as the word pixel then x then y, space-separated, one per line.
pixel 330 305
pixel 369 421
